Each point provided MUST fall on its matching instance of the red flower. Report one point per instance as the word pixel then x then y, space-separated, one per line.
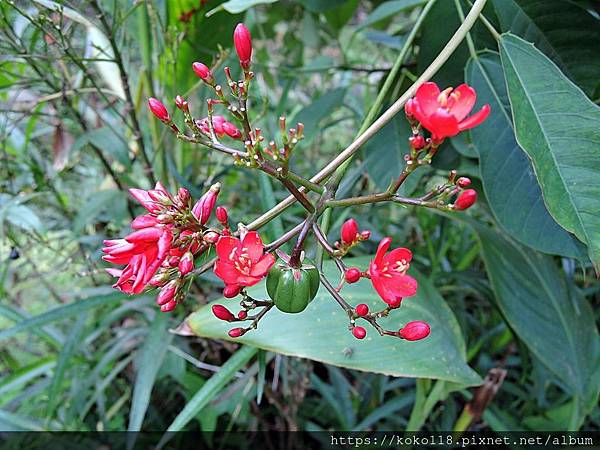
pixel 242 262
pixel 143 252
pixel 388 273
pixel 243 44
pixel 444 114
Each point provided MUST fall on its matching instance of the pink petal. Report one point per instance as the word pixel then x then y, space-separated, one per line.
pixel 466 100
pixel 402 285
pixel 443 124
pixel 145 235
pixel 263 265
pixel 475 119
pixel 427 98
pixel 226 272
pixel 254 245
pixel 398 254
pixel 143 222
pixel 381 249
pixel 226 245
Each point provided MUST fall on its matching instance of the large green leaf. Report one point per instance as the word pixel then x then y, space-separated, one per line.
pixel 510 185
pixel 565 32
pixel 559 128
pixel 552 320
pixel 321 333
pixel 389 9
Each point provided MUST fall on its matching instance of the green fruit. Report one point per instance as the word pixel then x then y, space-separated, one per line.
pixel 292 289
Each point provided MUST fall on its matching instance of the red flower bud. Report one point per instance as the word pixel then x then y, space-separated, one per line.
pixel 211 237
pixel 186 263
pixel 236 332
pixel 222 216
pixel 466 199
pixel 242 314
pixel 231 290
pixel 364 235
pixel 222 313
pixel 359 332
pixel 231 130
pixel 158 109
pixel 362 310
pixel 243 44
pixel 202 71
pixel 168 307
pixel 417 142
pixel 181 103
pixel 167 293
pixel 349 231
pixel 463 182
pixel 352 275
pixel 204 207
pixel 184 195
pixel 414 331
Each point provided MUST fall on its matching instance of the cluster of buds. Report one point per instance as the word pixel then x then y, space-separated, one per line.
pixel 350 236
pixel 161 250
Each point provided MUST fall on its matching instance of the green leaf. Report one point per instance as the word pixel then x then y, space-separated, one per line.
pixel 238 6
pixel 321 333
pixel 565 32
pixel 389 9
pixel 150 360
pixel 510 185
pixel 64 357
pixel 319 6
pixel 107 140
pixel 62 312
pixel 551 319
pixel 558 127
pixel 212 387
pixel 321 108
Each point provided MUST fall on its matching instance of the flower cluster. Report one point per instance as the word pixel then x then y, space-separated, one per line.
pixel 174 232
pixel 161 250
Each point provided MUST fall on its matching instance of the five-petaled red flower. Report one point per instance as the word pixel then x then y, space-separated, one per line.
pixel 444 113
pixel 242 262
pixel 388 273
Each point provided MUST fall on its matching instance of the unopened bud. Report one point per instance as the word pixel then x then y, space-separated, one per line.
pixel 184 195
pixel 231 130
pixel 204 207
pixel 167 293
pixel 464 182
pixel 362 309
pixel 409 109
pixel 168 307
pixel 417 142
pixel 158 109
pixel 242 314
pixel 236 332
pixel 243 44
pixel 221 214
pixel 466 199
pixel 203 72
pixel 186 263
pixel 365 235
pixel 414 331
pixel 349 231
pixel 359 332
pixel 182 104
pixel 222 313
pixel 352 275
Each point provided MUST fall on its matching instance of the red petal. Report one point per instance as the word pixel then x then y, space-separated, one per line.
pixel 244 280
pixel 143 222
pixel 398 254
pixel 475 119
pixel 382 289
pixel 466 100
pixel 427 98
pixel 401 285
pixel 226 272
pixel 226 245
pixel 263 265
pixel 381 249
pixel 145 235
pixel 254 245
pixel 443 124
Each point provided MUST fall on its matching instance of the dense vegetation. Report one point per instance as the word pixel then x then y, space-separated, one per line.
pixel 509 287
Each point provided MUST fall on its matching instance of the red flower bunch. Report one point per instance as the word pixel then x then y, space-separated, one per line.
pixel 161 250
pixel 445 113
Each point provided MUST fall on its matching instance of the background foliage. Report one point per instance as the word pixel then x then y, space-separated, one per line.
pixel 511 287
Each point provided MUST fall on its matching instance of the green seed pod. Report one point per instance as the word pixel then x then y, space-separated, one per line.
pixel 292 289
